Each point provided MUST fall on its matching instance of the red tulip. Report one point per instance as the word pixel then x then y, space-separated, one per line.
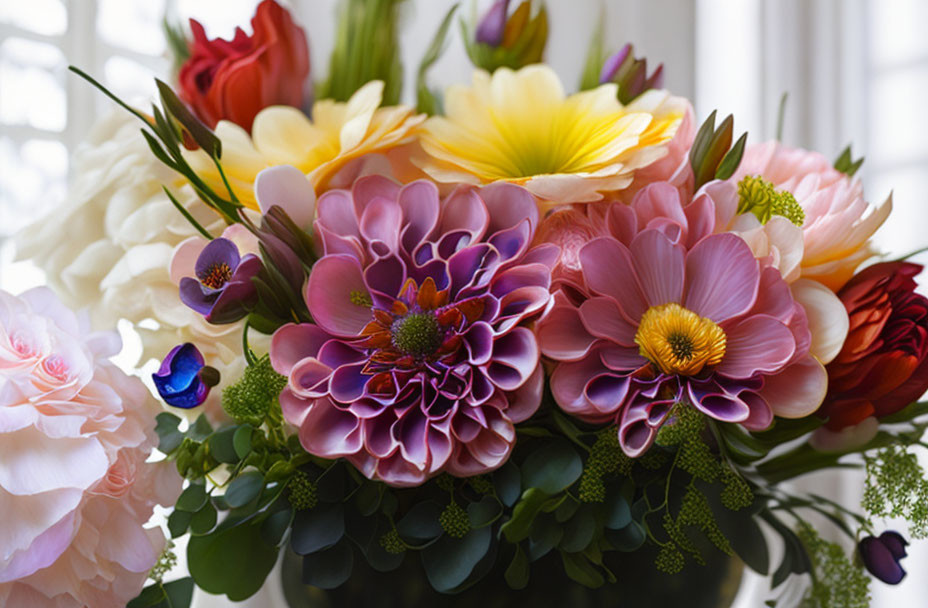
pixel 235 79
pixel 883 365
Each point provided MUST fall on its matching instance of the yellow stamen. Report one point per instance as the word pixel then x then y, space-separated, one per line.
pixel 678 341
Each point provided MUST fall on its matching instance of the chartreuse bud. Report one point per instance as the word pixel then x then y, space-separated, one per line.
pixel 454 520
pixel 302 492
pixel 606 458
pixel 758 196
pixel 249 399
pixel 500 39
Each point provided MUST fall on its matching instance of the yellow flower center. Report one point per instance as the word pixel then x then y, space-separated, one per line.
pixel 678 341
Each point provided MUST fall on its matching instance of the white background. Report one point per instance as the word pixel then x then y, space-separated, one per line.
pixel 855 71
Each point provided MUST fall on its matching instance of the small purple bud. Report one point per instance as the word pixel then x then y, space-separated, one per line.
pixel 612 65
pixel 881 556
pixel 492 26
pixel 656 81
pixel 184 380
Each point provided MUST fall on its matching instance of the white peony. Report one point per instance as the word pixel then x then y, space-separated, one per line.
pixel 108 247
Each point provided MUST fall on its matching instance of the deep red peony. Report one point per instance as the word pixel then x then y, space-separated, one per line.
pixel 883 365
pixel 235 79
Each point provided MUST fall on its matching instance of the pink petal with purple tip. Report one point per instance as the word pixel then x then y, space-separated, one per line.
pixel 517 352
pixel 330 432
pixel 464 210
pixel 329 291
pixel 721 278
pixel 758 344
pixel 294 342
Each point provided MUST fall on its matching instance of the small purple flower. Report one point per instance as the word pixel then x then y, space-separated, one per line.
pixel 492 26
pixel 222 290
pixel 184 379
pixel 881 556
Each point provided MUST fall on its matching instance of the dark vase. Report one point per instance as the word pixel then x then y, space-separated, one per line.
pixel 639 585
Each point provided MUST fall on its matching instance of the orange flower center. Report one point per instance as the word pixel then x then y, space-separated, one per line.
pixel 678 341
pixel 217 276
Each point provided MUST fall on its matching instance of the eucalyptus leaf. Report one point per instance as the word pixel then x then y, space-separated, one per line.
pixel 244 489
pixel 579 531
pixel 221 445
pixel 518 571
pixel 192 498
pixel 508 483
pixel 579 568
pixel 203 520
pixel 545 536
pixel 449 561
pixel 484 512
pixel 241 440
pixel 169 436
pixel 421 522
pixel 616 509
pixel 552 468
pixel 233 560
pixel 317 528
pixel 628 539
pixel 276 525
pixel 329 568
pixel 179 522
pixel 524 513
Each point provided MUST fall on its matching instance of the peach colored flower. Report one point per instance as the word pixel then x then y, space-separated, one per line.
pixel 75 490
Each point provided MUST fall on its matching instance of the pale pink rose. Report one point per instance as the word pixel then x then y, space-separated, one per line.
pixel 75 491
pixel 838 221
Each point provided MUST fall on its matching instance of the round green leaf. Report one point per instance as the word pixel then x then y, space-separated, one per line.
pixel 579 531
pixel 518 570
pixel 484 512
pixel 203 520
pixel 192 498
pixel 244 488
pixel 617 510
pixel 630 538
pixel 232 560
pixel 552 468
pixel 276 525
pixel 178 522
pixel 330 568
pixel 421 522
pixel 241 440
pixel 317 528
pixel 220 446
pixel 508 483
pixel 449 561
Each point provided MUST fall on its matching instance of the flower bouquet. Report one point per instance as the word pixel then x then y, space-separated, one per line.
pixel 509 345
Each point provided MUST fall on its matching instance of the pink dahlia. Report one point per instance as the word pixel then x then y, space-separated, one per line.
pixel 75 490
pixel 419 360
pixel 664 316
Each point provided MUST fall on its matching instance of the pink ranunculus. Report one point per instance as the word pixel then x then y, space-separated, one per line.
pixel 75 490
pixel 420 359
pixel 669 311
pixel 838 221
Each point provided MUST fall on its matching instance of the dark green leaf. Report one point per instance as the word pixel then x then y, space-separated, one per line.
pixel 244 489
pixel 276 525
pixel 379 558
pixel 203 520
pixel 367 498
pixel 200 429
pixel 233 559
pixel 701 142
pixel 178 522
pixel 617 510
pixel 508 483
pixel 421 522
pixel 152 596
pixel 732 159
pixel 579 568
pixel 169 437
pixel 545 535
pixel 552 468
pixel 630 538
pixel 329 568
pixel 241 440
pixel 484 512
pixel 449 561
pixel 579 531
pixel 192 498
pixel 221 445
pixel 524 513
pixel 518 570
pixel 317 528
pixel 179 593
pixel 425 99
pixel 201 134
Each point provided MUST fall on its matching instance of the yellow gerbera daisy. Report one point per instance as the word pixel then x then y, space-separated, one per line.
pixel 338 134
pixel 521 127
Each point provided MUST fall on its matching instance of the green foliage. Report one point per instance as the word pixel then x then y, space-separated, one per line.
pixel 166 561
pixel 737 493
pixel 836 583
pixel 454 520
pixel 846 164
pixel 251 398
pixel 669 559
pixel 366 48
pixel 392 543
pixel 302 492
pixel 896 487
pixel 712 155
pixel 606 459
pixel 695 511
pixel 427 101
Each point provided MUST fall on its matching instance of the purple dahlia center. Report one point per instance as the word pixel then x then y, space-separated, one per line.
pixel 417 334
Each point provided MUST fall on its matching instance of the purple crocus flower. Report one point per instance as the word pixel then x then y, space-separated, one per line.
pixel 222 290
pixel 419 359
pixel 492 26
pixel 881 556
pixel 184 379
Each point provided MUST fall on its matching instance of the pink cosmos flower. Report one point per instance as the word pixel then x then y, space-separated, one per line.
pixel 75 490
pixel 838 221
pixel 419 360
pixel 667 312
